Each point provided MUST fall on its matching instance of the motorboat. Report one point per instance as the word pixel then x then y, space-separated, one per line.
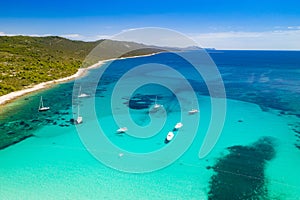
pixel 122 130
pixel 169 137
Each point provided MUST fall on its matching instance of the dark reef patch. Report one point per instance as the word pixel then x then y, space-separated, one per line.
pixel 139 101
pixel 17 140
pixel 240 174
pixel 296 131
pixel 20 121
pixel 11 133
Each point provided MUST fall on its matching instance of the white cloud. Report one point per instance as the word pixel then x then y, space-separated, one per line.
pixel 279 39
pixel 162 37
pixel 98 37
pixel 130 29
pixel 38 35
pixel 76 36
pixel 294 27
pixel 72 36
pixel 6 34
pixel 32 35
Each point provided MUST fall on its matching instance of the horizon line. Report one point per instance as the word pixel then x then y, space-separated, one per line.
pixel 95 40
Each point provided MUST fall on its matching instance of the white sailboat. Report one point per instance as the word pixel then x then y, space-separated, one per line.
pixel 81 95
pixel 79 118
pixel 42 107
pixel 156 105
pixel 193 110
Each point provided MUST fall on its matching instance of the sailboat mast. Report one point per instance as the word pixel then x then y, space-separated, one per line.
pixel 78 110
pixel 78 101
pixel 41 103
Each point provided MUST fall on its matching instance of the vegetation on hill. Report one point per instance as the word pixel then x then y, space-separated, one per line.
pixel 25 61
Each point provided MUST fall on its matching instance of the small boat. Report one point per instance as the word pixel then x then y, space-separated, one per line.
pixel 42 107
pixel 122 130
pixel 81 95
pixel 193 111
pixel 169 137
pixel 156 105
pixel 79 119
pixel 178 125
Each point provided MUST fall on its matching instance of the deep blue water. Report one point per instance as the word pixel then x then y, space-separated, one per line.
pixel 270 79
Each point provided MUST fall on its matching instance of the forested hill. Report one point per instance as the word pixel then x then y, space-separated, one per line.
pixel 25 61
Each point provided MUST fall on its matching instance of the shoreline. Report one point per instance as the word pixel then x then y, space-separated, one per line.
pixel 7 98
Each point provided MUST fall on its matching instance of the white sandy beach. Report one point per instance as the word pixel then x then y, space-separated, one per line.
pixel 13 95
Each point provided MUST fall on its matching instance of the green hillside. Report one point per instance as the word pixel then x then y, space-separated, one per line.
pixel 25 61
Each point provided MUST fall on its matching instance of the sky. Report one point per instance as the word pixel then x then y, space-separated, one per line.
pixel 221 24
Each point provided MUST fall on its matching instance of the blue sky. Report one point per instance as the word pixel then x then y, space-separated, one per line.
pixel 224 24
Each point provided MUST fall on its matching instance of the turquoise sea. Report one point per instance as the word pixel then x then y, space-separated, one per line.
pixel 256 157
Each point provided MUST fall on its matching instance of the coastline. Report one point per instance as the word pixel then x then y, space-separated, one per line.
pixel 5 99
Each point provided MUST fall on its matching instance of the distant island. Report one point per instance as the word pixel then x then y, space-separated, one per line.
pixel 26 61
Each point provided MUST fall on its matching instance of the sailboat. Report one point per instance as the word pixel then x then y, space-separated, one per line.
pixel 42 107
pixel 79 118
pixel 193 110
pixel 82 94
pixel 156 105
